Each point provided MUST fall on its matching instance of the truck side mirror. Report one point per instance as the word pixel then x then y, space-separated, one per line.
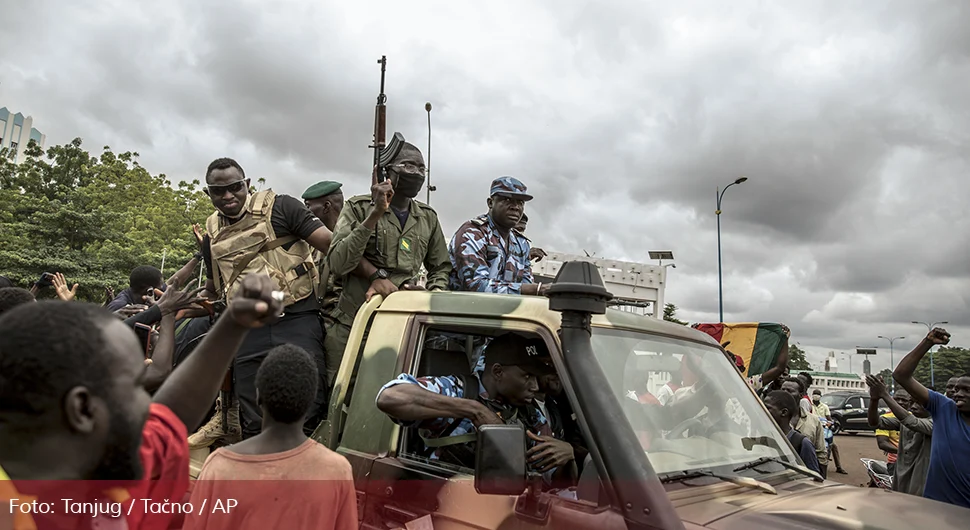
pixel 500 467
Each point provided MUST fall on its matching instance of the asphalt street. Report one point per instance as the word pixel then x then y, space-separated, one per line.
pixel 851 449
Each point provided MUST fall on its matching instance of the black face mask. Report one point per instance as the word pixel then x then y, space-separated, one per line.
pixel 408 185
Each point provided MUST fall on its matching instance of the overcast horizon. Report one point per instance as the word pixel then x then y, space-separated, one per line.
pixel 622 118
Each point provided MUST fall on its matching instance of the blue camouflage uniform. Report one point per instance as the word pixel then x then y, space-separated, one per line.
pixel 482 259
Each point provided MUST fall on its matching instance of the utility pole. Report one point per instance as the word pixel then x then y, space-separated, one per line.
pixel 427 107
pixel 892 363
pixel 929 328
pixel 717 212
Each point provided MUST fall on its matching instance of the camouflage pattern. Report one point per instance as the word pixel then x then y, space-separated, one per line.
pixel 451 386
pixel 232 243
pixel 399 251
pixel 483 261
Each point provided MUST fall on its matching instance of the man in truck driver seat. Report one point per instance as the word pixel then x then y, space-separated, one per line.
pixel 263 233
pixel 488 253
pixel 447 413
pixel 382 239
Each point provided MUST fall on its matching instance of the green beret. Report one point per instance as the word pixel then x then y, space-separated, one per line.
pixel 321 189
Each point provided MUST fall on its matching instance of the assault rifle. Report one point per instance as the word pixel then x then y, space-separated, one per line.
pixel 383 154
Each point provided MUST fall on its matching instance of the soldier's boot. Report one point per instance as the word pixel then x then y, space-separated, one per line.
pixel 214 430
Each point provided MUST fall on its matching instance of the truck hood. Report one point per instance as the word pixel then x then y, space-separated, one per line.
pixel 827 507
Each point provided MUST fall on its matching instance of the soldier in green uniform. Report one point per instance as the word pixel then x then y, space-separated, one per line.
pixel 380 242
pixel 326 200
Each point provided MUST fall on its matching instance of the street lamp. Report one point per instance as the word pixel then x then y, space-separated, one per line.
pixel 929 328
pixel 720 288
pixel 892 364
pixel 427 107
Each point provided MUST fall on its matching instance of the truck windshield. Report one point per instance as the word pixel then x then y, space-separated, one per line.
pixel 687 404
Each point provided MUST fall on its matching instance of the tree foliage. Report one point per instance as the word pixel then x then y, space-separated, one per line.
pixel 92 218
pixel 670 314
pixel 948 361
pixel 797 360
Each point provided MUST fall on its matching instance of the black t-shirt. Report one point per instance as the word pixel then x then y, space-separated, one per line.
pixel 290 217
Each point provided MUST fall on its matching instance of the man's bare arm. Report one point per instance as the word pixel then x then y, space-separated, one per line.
pixel 903 374
pixel 413 403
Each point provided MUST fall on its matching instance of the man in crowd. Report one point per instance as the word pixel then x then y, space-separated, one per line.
pixel 80 412
pixel 535 253
pixel 326 201
pixel 948 476
pixel 447 411
pixel 950 384
pixel 807 423
pixel 915 429
pixel 265 233
pixel 11 297
pixel 488 254
pixel 887 440
pixel 279 478
pixel 142 280
pixel 381 241
pixel 783 407
pixel 554 405
pixel 825 415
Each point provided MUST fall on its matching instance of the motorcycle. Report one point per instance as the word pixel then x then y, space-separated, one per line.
pixel 879 476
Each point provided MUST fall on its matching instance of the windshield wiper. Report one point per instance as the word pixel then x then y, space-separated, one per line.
pixel 740 481
pixel 794 467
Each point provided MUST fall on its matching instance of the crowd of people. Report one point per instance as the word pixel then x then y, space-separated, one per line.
pixel 247 361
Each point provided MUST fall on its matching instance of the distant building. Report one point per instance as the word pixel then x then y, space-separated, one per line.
pixel 16 131
pixel 835 381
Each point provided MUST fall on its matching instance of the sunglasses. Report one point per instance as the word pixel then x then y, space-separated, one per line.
pixel 232 187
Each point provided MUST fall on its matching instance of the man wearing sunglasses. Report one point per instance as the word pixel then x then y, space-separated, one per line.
pixel 382 239
pixel 265 233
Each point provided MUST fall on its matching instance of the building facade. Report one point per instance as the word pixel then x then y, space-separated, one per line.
pixel 16 131
pixel 829 382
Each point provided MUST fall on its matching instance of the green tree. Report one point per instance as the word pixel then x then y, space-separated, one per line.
pixel 670 314
pixel 92 218
pixel 948 361
pixel 796 359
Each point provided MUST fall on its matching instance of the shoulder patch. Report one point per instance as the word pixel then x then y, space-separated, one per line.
pixel 359 198
pixel 478 221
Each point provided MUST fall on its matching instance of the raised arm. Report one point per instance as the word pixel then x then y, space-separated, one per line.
pixel 903 374
pixel 877 391
pixel 190 390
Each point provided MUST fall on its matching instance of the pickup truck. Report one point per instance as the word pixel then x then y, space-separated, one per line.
pixel 728 466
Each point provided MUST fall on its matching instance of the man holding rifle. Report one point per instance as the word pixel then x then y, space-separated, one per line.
pixel 381 240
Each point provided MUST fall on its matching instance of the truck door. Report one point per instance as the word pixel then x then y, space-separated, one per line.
pixel 408 484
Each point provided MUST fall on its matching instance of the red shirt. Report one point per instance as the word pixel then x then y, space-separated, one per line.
pixel 165 457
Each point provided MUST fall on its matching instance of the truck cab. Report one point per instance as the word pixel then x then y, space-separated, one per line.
pixel 725 465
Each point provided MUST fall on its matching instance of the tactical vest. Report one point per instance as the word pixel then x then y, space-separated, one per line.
pixel 460 450
pixel 250 246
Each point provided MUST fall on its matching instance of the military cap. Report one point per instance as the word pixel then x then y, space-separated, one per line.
pixel 509 187
pixel 321 189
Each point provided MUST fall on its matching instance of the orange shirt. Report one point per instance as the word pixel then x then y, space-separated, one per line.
pixel 309 486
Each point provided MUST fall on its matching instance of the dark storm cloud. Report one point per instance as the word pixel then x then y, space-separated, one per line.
pixel 622 118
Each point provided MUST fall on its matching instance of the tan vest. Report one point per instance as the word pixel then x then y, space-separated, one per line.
pixel 250 246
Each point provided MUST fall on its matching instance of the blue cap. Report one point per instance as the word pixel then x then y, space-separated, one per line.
pixel 509 187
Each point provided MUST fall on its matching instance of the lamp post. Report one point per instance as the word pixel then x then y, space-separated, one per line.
pixel 929 328
pixel 427 107
pixel 720 287
pixel 892 363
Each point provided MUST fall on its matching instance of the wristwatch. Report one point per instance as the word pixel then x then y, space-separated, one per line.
pixel 380 274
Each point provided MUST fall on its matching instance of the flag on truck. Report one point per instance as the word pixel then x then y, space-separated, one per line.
pixel 757 343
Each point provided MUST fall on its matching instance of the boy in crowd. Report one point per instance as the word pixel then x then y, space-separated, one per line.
pixel 304 483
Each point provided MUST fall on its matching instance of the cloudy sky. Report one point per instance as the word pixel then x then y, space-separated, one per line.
pixel 622 117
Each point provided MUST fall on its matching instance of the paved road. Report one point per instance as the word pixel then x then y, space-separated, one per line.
pixel 851 449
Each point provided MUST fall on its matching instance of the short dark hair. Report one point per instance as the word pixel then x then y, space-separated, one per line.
pixel 223 163
pixel 40 363
pixel 808 377
pixel 799 382
pixel 11 297
pixel 287 383
pixel 5 282
pixel 784 400
pixel 143 277
pixel 816 391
